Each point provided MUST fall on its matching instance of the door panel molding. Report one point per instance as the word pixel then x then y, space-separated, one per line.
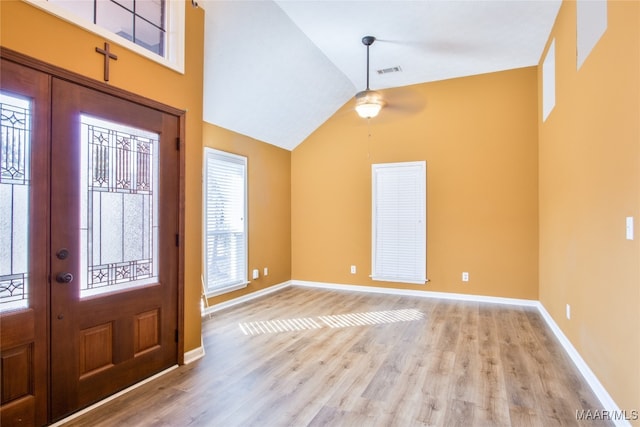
pixel 17 375
pixel 146 332
pixel 96 349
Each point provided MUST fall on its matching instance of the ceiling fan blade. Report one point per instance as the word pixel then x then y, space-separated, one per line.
pixel 441 46
pixel 404 100
pixel 399 102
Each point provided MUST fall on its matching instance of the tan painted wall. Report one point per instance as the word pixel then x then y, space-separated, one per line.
pixel 269 206
pixel 589 182
pixel 479 138
pixel 31 31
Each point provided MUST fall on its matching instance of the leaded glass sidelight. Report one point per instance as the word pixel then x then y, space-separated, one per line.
pixel 119 207
pixel 15 130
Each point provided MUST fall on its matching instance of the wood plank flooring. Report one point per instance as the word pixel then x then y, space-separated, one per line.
pixel 276 361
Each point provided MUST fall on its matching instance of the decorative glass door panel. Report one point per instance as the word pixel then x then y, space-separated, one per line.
pixel 15 160
pixel 119 207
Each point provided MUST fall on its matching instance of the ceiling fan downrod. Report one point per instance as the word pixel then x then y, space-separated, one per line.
pixel 368 41
pixel 368 102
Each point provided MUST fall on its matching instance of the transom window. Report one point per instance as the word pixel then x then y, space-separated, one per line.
pixel 139 21
pixel 152 28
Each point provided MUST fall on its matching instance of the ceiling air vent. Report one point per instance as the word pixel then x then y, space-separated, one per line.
pixel 390 70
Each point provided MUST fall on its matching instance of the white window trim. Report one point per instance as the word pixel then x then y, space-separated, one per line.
pixel 421 277
pixel 245 282
pixel 175 37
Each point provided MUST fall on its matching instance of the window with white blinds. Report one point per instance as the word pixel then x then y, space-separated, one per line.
pixel 225 221
pixel 399 232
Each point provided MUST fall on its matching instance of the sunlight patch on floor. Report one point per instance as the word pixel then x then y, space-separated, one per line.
pixel 274 326
pixel 331 321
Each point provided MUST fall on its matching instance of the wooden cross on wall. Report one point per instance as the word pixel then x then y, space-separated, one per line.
pixel 107 56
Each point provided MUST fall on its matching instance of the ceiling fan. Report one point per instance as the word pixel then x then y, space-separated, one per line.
pixel 368 102
pixel 398 102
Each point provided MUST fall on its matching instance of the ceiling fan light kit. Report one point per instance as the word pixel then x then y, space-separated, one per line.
pixel 368 102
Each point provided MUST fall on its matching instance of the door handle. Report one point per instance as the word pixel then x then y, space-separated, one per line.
pixel 64 278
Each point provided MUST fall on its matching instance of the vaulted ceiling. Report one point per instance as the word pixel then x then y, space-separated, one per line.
pixel 277 70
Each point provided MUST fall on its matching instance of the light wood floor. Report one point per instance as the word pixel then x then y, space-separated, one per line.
pixel 458 364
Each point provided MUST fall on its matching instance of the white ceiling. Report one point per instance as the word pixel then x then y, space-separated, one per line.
pixel 277 70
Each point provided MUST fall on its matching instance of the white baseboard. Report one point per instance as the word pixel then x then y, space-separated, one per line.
pixel 245 298
pixel 417 293
pixel 193 355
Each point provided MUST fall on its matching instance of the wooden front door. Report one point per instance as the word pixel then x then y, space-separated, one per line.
pixel 24 228
pixel 113 253
pixel 89 223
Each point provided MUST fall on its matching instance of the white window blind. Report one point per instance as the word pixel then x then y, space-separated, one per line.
pixel 399 222
pixel 225 221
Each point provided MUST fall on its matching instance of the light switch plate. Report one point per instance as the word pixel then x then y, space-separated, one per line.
pixel 629 228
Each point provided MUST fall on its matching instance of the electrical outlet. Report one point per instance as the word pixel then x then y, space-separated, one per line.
pixel 568 311
pixel 465 276
pixel 256 274
pixel 353 269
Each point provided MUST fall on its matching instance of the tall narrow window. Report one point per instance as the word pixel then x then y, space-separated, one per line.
pixel 591 17
pixel 399 222
pixel 225 221
pixel 15 156
pixel 549 81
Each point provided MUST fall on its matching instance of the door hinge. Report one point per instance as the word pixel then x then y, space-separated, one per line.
pixel 177 240
pixel 178 144
pixel 177 335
